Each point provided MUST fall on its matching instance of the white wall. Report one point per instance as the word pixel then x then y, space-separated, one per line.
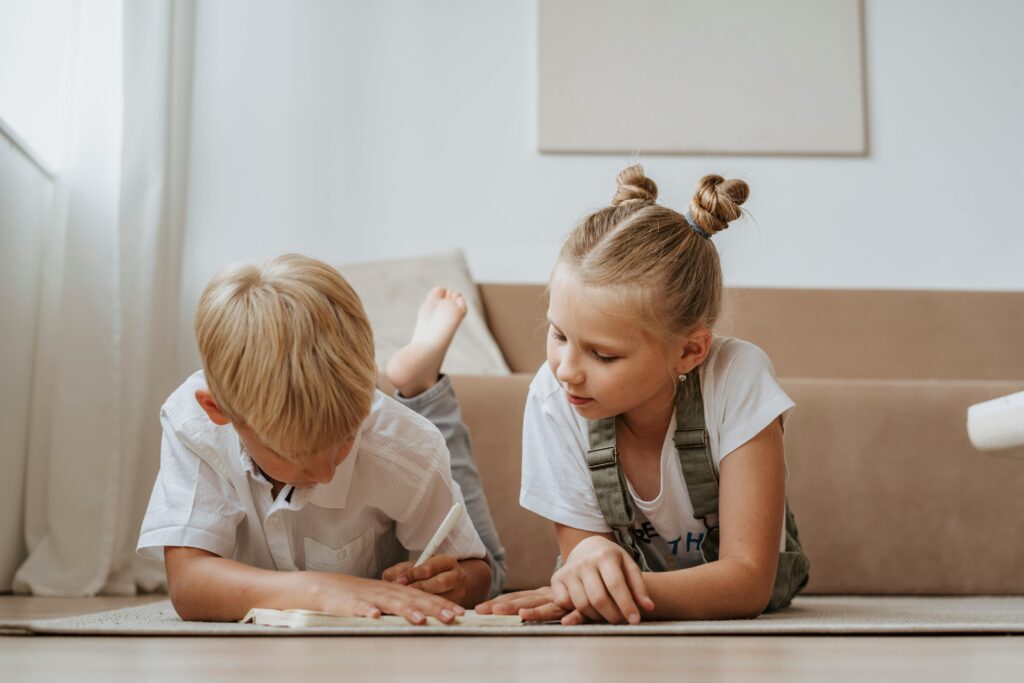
pixel 359 130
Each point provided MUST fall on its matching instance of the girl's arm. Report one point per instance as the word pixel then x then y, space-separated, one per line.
pixel 594 584
pixel 751 507
pixel 751 504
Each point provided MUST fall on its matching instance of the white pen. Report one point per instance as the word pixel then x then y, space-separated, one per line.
pixel 442 533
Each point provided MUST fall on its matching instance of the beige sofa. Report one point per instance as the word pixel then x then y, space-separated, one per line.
pixel 889 495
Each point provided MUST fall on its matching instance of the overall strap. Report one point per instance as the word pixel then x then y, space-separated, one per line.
pixel 694 449
pixel 610 486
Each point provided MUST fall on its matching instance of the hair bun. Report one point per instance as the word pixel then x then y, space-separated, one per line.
pixel 634 186
pixel 717 201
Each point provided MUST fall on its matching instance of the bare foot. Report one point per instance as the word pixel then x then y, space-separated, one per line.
pixel 415 367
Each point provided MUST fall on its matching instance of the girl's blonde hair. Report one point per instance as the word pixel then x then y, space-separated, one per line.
pixel 288 351
pixel 650 258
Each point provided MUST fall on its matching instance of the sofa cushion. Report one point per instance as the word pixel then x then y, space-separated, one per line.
pixel 392 291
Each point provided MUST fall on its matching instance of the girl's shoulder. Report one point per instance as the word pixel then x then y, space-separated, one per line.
pixel 730 355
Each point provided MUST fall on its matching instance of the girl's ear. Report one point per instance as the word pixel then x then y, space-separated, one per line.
pixel 695 349
pixel 205 400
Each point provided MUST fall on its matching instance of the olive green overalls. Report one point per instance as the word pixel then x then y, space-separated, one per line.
pixel 693 447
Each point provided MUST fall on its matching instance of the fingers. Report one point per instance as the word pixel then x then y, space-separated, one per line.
pixel 602 585
pixel 450 585
pixel 416 609
pixel 511 603
pixel 406 573
pixel 442 583
pixel 413 605
pixel 432 567
pixel 637 587
pixel 580 600
pixel 366 609
pixel 599 587
pixel 546 612
pixel 394 573
pixel 574 618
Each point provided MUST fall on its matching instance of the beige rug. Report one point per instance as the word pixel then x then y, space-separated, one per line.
pixel 809 615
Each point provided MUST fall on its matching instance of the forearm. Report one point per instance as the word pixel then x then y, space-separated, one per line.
pixel 478 581
pixel 205 587
pixel 726 589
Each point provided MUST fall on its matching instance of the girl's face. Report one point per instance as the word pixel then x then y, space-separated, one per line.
pixel 604 359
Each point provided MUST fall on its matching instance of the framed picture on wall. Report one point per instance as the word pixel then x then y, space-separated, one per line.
pixel 690 76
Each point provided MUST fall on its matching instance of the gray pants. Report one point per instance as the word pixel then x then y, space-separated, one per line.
pixel 439 405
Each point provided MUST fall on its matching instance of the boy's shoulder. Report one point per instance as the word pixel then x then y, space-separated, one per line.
pixel 182 416
pixel 393 435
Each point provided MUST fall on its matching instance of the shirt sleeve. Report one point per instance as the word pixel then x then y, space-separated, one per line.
pixel 191 505
pixel 556 482
pixel 748 395
pixel 424 515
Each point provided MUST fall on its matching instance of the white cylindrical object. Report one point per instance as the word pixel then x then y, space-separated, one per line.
pixel 997 424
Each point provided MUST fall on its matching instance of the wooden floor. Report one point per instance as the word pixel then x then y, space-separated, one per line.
pixel 637 659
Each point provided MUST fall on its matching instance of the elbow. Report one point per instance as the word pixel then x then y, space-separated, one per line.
pixel 185 603
pixel 756 594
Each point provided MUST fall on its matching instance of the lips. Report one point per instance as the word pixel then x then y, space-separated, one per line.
pixel 578 400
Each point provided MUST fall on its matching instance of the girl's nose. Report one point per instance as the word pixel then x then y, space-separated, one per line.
pixel 569 370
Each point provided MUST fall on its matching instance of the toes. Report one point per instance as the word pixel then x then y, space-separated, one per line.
pixel 458 299
pixel 437 293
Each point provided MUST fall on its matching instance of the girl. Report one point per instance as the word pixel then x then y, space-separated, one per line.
pixel 654 446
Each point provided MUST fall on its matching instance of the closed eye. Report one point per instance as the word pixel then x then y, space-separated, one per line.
pixel 604 359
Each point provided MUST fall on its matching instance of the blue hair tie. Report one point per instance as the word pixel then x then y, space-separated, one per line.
pixel 696 228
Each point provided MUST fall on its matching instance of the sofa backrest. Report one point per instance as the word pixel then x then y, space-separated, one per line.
pixel 860 334
pixel 889 495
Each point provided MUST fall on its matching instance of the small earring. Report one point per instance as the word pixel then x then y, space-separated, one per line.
pixel 682 378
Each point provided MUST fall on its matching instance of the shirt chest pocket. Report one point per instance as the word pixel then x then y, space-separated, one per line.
pixel 355 558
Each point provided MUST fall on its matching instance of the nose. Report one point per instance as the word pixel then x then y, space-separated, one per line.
pixel 323 471
pixel 569 370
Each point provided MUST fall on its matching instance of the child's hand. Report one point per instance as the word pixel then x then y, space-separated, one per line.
pixel 600 582
pixel 531 605
pixel 441 575
pixel 353 596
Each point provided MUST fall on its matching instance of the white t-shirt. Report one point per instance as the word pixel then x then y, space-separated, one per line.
pixel 385 502
pixel 741 397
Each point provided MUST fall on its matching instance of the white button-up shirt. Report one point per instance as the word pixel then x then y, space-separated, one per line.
pixel 385 502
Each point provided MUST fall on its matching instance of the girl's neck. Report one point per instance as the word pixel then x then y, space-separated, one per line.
pixel 650 421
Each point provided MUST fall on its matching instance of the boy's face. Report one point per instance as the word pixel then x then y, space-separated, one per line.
pixel 315 469
pixel 318 468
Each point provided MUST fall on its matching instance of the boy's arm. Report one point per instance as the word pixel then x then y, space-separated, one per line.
pixel 207 587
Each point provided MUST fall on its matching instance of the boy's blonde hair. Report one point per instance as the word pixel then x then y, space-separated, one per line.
pixel 288 351
pixel 650 258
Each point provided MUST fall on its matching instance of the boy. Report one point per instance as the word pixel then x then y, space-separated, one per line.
pixel 287 480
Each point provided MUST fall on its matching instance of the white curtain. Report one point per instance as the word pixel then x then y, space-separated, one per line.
pixel 109 309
